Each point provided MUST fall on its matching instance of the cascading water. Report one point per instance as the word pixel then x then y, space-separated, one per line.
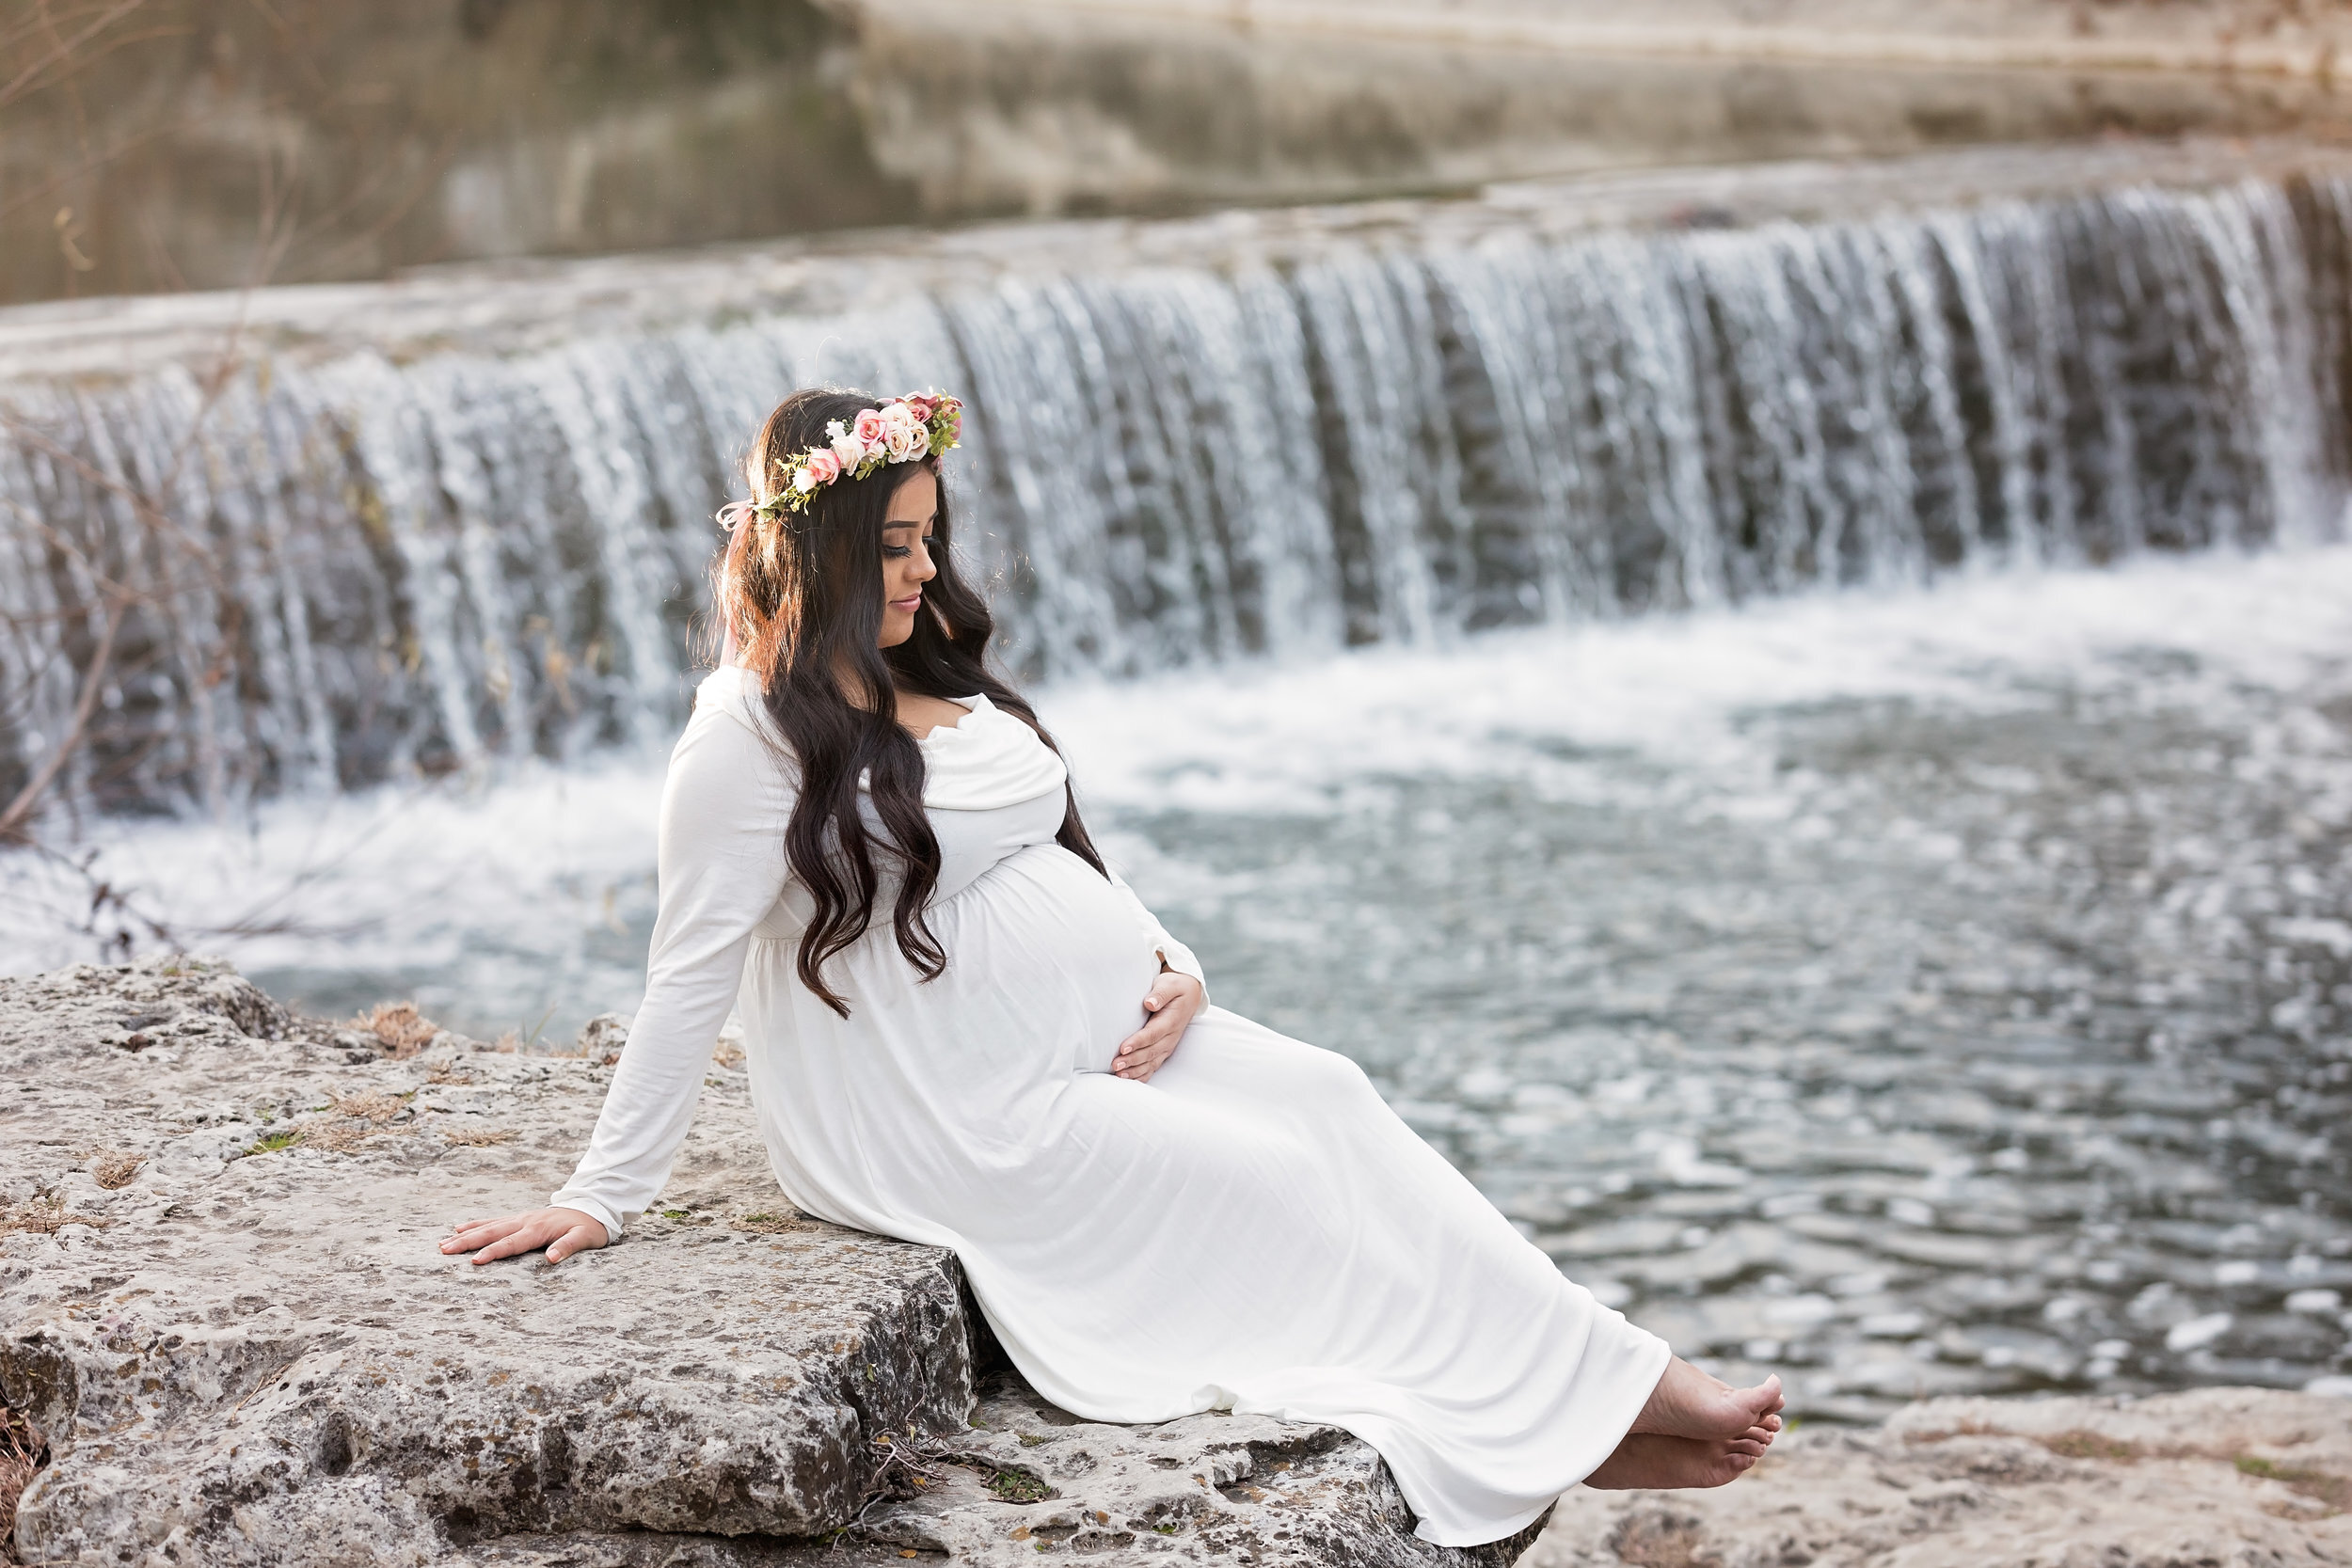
pixel 364 568
pixel 1924 989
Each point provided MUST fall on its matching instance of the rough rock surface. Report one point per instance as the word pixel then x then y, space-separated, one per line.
pixel 1025 1478
pixel 222 1305
pixel 2216 1478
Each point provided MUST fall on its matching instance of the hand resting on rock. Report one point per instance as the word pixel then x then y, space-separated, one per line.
pixel 562 1231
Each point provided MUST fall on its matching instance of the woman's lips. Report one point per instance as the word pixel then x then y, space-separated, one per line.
pixel 909 605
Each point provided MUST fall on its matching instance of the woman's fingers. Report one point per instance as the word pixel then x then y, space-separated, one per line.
pixel 480 1233
pixel 1153 1028
pixel 562 1231
pixel 514 1247
pixel 1155 1032
pixel 579 1238
pixel 1143 1054
pixel 505 1246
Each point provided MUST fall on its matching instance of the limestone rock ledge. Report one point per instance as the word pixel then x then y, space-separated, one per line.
pixel 223 1307
pixel 2211 1478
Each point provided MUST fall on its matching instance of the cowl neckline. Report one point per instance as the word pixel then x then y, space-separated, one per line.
pixel 985 761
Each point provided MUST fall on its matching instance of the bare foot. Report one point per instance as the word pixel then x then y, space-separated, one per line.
pixel 1647 1462
pixel 1689 1403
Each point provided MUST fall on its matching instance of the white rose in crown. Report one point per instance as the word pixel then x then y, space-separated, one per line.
pixel 851 450
pixel 902 434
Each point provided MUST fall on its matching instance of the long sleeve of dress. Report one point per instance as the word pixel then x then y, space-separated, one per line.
pixel 1172 953
pixel 722 867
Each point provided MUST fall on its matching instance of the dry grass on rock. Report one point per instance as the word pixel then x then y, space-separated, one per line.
pixel 22 1454
pixel 399 1026
pixel 369 1105
pixel 769 1223
pixel 41 1214
pixel 114 1169
pixel 476 1137
pixel 1661 1538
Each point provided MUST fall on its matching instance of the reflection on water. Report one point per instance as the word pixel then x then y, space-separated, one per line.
pixel 1914 991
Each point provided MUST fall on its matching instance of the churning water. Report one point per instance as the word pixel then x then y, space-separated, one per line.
pixel 372 567
pixel 1928 989
pixel 1908 955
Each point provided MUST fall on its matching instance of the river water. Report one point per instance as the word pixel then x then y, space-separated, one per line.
pixel 1810 757
pixel 1917 991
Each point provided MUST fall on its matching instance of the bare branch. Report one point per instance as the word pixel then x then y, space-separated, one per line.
pixel 67 52
pixel 20 811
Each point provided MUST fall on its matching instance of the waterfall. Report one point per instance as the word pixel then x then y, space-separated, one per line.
pixel 362 569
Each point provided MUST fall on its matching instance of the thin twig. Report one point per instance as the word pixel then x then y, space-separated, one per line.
pixel 20 810
pixel 64 50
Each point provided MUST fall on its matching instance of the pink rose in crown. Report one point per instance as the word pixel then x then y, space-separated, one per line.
pixel 920 406
pixel 823 467
pixel 869 427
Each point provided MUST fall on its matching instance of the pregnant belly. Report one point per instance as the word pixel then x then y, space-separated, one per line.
pixel 1043 936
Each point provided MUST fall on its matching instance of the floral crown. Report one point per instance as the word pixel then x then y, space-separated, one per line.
pixel 903 430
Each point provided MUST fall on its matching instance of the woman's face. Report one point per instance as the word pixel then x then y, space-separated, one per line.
pixel 906 554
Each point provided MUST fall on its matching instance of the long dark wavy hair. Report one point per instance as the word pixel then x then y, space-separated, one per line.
pixel 800 594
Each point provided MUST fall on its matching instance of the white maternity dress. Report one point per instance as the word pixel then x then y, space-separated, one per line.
pixel 1252 1229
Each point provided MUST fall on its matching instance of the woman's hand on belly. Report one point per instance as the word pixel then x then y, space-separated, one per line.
pixel 1173 1001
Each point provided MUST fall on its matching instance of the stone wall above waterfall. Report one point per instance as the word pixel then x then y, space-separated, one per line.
pixel 1268 435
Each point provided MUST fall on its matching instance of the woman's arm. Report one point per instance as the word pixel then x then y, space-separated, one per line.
pixel 1175 957
pixel 1175 999
pixel 721 868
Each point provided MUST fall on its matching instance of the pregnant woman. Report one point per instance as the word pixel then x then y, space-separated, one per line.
pixel 963 1030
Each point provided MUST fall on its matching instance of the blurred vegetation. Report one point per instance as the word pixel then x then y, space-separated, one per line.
pixel 157 145
pixel 160 144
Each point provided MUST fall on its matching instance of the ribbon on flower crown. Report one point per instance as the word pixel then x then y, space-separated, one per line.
pixel 903 430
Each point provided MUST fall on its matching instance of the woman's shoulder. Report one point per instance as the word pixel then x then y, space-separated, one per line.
pixel 732 696
pixel 727 680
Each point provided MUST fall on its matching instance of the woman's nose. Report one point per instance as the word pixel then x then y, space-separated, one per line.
pixel 924 567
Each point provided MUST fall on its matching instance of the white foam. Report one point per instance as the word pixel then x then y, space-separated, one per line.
pixel 527 884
